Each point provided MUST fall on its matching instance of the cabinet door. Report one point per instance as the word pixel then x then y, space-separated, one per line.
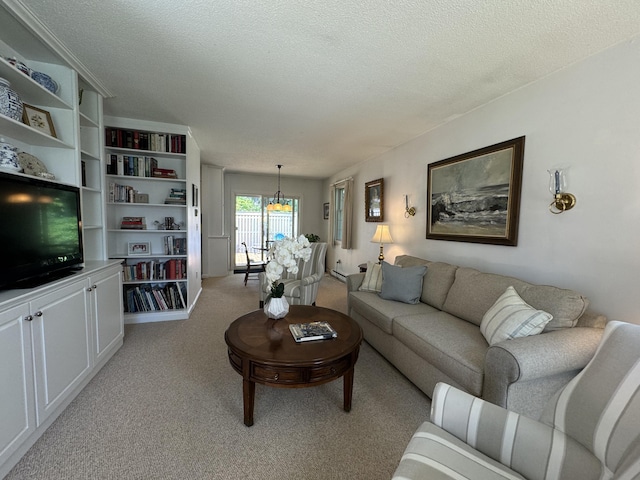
pixel 107 311
pixel 61 345
pixel 17 405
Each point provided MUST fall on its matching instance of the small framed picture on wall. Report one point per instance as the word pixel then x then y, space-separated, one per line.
pixel 374 200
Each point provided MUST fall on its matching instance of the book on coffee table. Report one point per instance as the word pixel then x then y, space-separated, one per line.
pixel 305 332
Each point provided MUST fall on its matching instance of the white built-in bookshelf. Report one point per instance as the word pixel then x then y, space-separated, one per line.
pixel 151 217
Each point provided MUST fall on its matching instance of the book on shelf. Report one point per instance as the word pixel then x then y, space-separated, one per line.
pixel 164 173
pixel 153 298
pixel 131 165
pixel 133 223
pixel 174 269
pixel 177 196
pixel 175 245
pixel 306 332
pixel 143 140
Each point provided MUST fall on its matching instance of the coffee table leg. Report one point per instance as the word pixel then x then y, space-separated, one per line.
pixel 248 396
pixel 348 389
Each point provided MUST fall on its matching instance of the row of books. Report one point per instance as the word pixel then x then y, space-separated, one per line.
pixel 141 140
pixel 173 269
pixel 175 245
pixel 121 193
pixel 131 166
pixel 153 298
pixel 133 223
pixel 177 196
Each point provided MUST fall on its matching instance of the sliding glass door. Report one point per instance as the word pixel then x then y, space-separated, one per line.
pixel 258 227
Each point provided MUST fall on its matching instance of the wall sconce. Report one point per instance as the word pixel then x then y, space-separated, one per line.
pixel 562 201
pixel 382 236
pixel 408 211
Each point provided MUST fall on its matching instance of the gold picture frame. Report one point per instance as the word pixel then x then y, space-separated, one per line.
pixel 374 200
pixel 39 119
pixel 475 197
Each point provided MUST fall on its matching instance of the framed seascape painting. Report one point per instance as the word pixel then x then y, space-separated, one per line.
pixel 374 200
pixel 475 197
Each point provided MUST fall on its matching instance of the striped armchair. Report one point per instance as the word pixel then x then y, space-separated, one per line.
pixel 589 430
pixel 301 288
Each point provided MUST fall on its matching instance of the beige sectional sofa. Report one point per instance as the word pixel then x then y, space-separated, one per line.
pixel 439 339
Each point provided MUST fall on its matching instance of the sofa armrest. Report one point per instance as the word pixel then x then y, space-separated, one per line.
pixel 514 440
pixel 536 357
pixel 354 281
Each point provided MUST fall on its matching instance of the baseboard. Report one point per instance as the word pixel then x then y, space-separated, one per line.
pixel 339 275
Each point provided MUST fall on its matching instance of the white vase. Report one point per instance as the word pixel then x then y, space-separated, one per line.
pixel 276 308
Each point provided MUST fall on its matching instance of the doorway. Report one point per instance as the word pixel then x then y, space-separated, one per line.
pixel 258 227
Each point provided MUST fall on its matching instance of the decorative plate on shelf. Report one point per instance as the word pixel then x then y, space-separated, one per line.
pixel 32 165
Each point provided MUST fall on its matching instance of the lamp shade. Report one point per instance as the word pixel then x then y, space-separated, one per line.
pixel 382 235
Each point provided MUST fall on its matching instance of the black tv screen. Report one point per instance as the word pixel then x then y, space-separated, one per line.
pixel 41 233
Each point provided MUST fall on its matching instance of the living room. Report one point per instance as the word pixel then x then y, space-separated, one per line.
pixel 578 117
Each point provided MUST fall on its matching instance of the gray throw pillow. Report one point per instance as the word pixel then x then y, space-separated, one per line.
pixel 402 284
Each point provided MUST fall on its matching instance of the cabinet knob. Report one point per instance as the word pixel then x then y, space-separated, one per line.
pixel 94 286
pixel 89 289
pixel 38 313
pixel 28 318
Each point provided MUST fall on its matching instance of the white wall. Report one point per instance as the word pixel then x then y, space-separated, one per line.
pixel 585 117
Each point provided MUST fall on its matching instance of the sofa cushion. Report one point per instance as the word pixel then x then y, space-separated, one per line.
pixel 474 292
pixel 381 312
pixel 372 279
pixel 511 317
pixel 402 284
pixel 450 344
pixel 437 281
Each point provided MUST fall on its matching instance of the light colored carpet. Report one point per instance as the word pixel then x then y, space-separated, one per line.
pixel 169 406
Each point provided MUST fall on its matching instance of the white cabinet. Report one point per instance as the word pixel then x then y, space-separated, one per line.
pixel 61 344
pixel 106 313
pixel 17 398
pixel 53 340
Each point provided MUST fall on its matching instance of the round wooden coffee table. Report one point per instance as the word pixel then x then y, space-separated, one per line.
pixel 264 351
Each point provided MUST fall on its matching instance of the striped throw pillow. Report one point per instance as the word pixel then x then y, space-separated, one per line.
pixel 372 279
pixel 511 317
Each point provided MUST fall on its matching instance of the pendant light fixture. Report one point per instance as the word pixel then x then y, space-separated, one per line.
pixel 276 205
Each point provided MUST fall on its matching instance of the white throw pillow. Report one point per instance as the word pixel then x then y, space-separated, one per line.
pixel 511 317
pixel 372 279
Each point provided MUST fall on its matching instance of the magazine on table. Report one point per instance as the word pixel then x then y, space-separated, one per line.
pixel 306 332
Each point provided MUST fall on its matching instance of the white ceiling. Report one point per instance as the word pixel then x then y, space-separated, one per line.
pixel 319 85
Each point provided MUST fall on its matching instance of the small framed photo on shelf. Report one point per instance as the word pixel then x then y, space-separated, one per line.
pixel 38 119
pixel 139 248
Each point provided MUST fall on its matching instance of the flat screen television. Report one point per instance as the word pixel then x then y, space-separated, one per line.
pixel 41 232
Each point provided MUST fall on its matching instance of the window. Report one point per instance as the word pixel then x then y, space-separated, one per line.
pixel 338 214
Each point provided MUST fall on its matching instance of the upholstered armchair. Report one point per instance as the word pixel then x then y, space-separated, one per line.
pixel 301 288
pixel 589 430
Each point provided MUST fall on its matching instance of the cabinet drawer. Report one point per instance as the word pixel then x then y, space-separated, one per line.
pixel 331 370
pixel 263 373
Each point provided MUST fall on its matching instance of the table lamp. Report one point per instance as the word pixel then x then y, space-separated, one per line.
pixel 382 236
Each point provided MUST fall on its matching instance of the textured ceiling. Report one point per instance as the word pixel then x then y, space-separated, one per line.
pixel 319 85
